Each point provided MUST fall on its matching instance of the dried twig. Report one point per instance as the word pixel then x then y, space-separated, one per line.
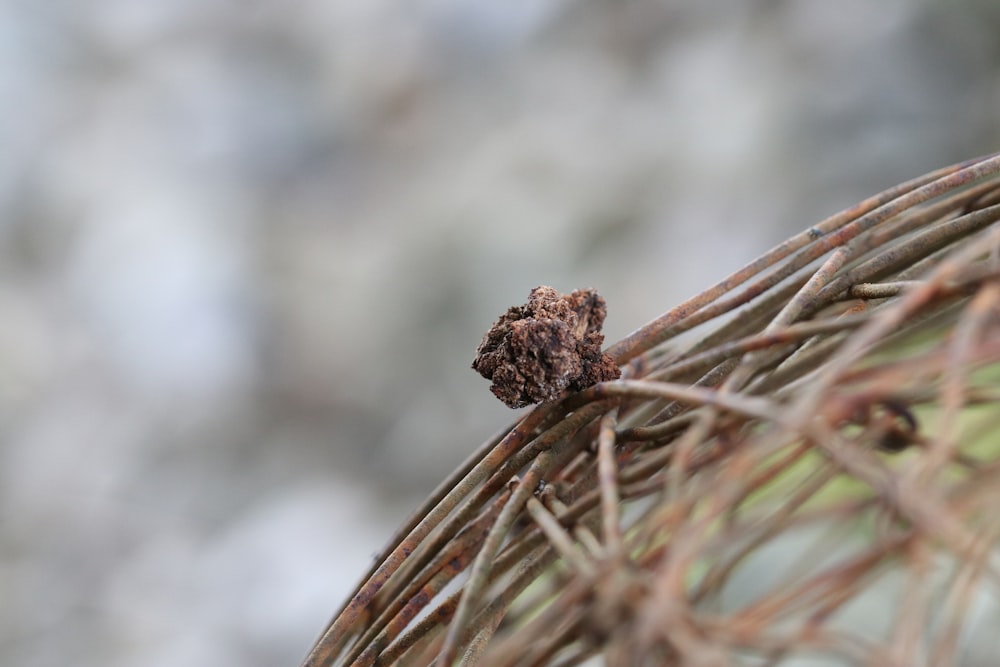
pixel 854 392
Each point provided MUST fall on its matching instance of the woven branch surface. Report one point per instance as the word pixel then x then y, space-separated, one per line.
pixel 815 436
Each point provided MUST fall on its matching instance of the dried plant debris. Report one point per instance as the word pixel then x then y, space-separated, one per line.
pixel 846 407
pixel 549 345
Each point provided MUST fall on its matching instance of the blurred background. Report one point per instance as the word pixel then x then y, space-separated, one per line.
pixel 248 250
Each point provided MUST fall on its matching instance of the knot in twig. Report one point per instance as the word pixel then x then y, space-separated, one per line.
pixel 549 345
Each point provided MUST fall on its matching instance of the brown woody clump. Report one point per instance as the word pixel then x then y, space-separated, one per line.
pixel 739 497
pixel 549 345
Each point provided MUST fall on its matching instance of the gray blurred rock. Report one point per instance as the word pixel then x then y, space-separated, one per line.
pixel 248 250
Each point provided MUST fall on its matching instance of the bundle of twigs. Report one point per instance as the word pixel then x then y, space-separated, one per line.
pixel 848 394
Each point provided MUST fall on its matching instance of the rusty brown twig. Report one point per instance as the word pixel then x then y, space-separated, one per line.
pixel 850 400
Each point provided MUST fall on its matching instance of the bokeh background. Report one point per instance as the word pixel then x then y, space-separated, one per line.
pixel 248 249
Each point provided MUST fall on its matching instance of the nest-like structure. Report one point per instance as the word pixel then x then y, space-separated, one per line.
pixel 801 462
